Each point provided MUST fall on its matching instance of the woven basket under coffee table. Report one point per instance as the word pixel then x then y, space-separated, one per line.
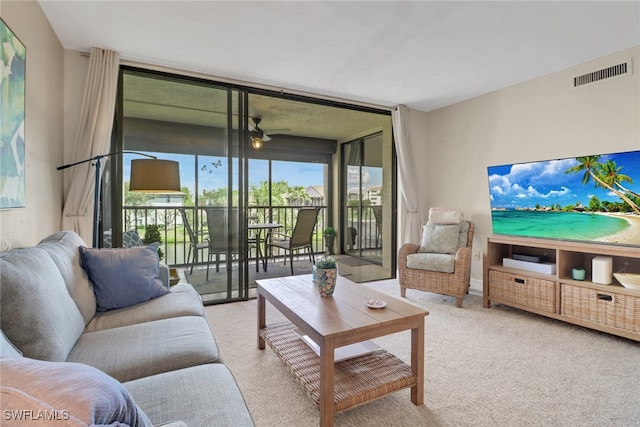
pixel 358 380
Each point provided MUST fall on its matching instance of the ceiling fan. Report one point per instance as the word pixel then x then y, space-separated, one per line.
pixel 257 135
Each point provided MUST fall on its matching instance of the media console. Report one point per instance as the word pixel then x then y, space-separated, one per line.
pixel 608 308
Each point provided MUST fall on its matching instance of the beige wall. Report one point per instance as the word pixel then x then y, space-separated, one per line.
pixel 541 119
pixel 43 126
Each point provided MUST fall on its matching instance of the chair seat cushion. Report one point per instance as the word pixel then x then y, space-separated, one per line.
pixel 443 263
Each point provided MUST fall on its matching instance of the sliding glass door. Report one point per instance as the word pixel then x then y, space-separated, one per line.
pixel 197 124
pixel 362 202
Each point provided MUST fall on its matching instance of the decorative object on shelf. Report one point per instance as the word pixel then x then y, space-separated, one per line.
pixel 628 280
pixel 325 273
pixel 578 273
pixel 329 237
pixel 602 266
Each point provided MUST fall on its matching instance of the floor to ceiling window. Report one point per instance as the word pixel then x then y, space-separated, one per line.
pixel 233 184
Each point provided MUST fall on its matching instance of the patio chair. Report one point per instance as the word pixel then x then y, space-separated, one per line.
pixel 300 238
pixel 223 234
pixel 441 263
pixel 194 244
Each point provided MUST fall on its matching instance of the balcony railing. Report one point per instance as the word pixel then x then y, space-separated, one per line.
pixel 175 239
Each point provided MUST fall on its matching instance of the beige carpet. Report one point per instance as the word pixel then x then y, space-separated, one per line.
pixel 483 367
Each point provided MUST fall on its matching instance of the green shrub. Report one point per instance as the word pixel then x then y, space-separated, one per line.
pixel 152 235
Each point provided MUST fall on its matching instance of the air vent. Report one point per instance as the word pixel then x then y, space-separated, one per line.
pixel 605 73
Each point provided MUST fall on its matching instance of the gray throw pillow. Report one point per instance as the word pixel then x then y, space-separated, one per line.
pixel 439 238
pixel 122 277
pixel 72 394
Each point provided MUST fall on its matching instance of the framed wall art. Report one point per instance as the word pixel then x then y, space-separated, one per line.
pixel 13 56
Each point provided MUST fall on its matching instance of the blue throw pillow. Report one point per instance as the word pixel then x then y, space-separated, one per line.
pixel 123 276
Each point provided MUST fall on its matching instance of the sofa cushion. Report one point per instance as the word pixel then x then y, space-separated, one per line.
pixel 438 238
pixel 201 396
pixel 72 392
pixel 183 300
pixel 37 313
pixel 122 277
pixel 148 348
pixel 62 247
pixel 443 263
pixel 7 348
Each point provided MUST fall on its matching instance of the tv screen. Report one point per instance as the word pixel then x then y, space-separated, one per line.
pixel 589 198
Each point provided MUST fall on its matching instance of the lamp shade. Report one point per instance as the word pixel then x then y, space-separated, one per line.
pixel 154 176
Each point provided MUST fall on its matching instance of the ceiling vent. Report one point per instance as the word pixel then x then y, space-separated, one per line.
pixel 605 73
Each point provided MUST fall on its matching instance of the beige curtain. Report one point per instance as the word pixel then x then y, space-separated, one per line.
pixel 406 167
pixel 93 138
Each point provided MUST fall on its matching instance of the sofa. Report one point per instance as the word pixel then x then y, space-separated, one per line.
pixel 73 353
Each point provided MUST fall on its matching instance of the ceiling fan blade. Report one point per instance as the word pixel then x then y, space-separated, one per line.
pixel 265 137
pixel 275 131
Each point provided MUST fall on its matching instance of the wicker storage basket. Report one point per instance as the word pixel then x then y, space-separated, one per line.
pixel 357 381
pixel 601 307
pixel 523 290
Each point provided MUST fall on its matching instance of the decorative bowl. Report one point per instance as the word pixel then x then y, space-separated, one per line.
pixel 628 280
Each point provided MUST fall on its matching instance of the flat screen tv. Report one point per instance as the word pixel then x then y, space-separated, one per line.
pixel 590 198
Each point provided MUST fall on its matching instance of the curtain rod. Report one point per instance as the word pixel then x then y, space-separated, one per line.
pixel 252 85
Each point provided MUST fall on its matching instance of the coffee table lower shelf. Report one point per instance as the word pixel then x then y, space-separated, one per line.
pixel 357 381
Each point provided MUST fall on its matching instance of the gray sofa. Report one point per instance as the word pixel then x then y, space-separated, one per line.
pixel 61 358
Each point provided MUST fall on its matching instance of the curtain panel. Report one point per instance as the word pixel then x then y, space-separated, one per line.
pixel 407 172
pixel 93 138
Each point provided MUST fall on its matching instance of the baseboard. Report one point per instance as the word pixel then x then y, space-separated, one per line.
pixel 475 287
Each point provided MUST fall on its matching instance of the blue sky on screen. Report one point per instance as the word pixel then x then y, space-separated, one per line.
pixel 545 183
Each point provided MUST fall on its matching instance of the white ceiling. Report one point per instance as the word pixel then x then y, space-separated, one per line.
pixel 422 54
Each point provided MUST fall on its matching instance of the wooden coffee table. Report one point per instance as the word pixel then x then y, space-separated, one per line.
pixel 335 322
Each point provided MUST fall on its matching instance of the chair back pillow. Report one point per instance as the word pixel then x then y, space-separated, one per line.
pixel 439 238
pixel 445 216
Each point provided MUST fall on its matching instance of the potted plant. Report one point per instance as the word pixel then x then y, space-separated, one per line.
pixel 325 274
pixel 329 237
pixel 152 235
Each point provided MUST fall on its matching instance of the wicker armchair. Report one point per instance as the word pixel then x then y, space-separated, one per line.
pixel 455 284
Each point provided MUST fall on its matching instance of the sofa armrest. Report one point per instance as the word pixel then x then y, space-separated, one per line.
pixel 163 274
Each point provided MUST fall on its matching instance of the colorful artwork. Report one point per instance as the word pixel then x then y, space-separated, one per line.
pixel 12 95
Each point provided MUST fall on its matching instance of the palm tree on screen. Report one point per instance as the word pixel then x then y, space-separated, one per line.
pixel 610 172
pixel 592 170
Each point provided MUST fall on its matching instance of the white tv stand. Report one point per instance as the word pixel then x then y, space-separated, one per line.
pixel 608 308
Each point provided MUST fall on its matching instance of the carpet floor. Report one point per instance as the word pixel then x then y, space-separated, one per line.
pixel 483 367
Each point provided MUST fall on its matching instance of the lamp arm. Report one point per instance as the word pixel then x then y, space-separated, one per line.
pixel 100 156
pixel 96 190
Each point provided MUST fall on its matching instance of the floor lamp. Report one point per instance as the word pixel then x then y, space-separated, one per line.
pixel 147 175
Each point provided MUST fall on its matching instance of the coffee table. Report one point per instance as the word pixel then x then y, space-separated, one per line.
pixel 335 322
